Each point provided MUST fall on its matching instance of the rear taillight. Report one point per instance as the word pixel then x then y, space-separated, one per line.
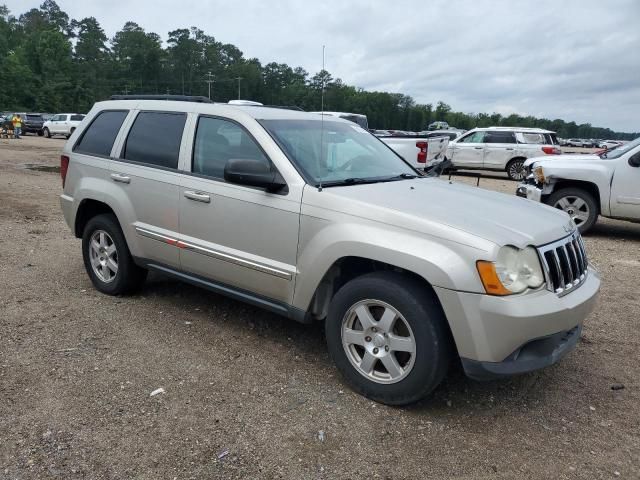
pixel 422 154
pixel 64 166
pixel 551 150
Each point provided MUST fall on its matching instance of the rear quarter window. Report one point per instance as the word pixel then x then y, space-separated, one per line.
pixel 98 137
pixel 155 139
pixel 77 118
pixel 531 138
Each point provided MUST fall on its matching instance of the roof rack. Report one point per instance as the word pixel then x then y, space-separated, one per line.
pixel 174 98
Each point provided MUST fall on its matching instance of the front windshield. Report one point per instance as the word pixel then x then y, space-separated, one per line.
pixel 348 153
pixel 621 150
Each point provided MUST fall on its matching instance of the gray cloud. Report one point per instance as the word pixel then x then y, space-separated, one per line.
pixel 576 60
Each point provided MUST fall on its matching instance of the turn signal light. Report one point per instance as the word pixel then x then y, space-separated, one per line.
pixel 490 280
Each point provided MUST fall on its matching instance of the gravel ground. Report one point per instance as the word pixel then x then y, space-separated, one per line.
pixel 250 395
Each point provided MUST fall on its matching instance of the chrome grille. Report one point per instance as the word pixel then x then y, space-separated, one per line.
pixel 564 263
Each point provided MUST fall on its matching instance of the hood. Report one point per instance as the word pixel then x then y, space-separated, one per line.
pixel 429 204
pixel 563 159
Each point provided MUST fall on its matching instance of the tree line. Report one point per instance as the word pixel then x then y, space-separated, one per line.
pixel 50 62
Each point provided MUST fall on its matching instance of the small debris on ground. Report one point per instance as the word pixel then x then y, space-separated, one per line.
pixel 223 453
pixel 157 391
pixel 617 386
pixel 321 436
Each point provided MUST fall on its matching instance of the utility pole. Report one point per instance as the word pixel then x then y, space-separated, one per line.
pixel 126 90
pixel 239 80
pixel 210 80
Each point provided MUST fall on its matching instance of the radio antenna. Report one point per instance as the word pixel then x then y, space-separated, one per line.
pixel 322 119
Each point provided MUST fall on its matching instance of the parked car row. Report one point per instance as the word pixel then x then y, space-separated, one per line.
pixel 60 124
pixel 588 143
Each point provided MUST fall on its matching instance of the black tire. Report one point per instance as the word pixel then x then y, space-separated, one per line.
pixel 515 169
pixel 421 310
pixel 40 133
pixel 571 194
pixel 46 132
pixel 129 276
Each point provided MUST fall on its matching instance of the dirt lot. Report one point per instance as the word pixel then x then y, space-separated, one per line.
pixel 248 393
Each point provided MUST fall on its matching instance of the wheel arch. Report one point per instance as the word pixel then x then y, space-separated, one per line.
pixel 87 209
pixel 589 187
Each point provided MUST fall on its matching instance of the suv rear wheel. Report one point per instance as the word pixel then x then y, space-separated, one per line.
pixel 107 258
pixel 388 337
pixel 578 203
pixel 515 169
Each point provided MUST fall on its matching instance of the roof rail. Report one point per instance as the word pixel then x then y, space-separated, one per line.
pixel 174 98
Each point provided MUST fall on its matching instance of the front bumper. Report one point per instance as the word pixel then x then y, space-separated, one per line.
pixel 499 336
pixel 531 192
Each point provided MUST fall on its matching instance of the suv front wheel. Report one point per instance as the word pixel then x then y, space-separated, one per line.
pixel 107 258
pixel 387 335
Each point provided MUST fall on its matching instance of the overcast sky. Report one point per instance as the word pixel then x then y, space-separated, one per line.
pixel 577 60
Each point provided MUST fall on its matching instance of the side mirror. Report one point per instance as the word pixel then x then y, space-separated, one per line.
pixel 634 160
pixel 253 173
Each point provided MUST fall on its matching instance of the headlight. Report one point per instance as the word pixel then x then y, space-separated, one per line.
pixel 538 173
pixel 514 271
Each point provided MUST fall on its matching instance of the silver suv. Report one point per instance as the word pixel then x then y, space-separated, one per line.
pixel 316 219
pixel 501 149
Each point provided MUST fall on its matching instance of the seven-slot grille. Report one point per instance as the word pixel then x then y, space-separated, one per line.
pixel 564 263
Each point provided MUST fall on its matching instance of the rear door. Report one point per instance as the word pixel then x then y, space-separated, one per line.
pixel 236 235
pixel 145 178
pixel 500 147
pixel 468 151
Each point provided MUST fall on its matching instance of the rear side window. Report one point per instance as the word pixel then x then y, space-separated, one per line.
pixel 77 118
pixel 218 141
pixel 500 137
pixel 531 138
pixel 155 139
pixel 98 137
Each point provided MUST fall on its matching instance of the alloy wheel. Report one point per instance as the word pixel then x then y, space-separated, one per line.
pixel 378 341
pixel 103 256
pixel 576 207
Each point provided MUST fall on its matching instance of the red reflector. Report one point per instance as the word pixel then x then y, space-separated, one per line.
pixel 64 167
pixel 422 154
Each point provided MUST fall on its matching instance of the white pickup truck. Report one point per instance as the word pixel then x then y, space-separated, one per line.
pixel 586 186
pixel 419 151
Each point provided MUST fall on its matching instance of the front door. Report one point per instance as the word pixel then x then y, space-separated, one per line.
pixel 469 151
pixel 625 190
pixel 235 235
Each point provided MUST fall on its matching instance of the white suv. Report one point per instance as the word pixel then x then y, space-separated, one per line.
pixel 62 124
pixel 502 149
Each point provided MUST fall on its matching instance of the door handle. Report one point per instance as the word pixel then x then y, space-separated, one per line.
pixel 508 148
pixel 118 177
pixel 197 196
pixel 478 148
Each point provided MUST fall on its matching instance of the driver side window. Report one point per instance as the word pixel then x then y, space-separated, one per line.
pixel 217 141
pixel 476 137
